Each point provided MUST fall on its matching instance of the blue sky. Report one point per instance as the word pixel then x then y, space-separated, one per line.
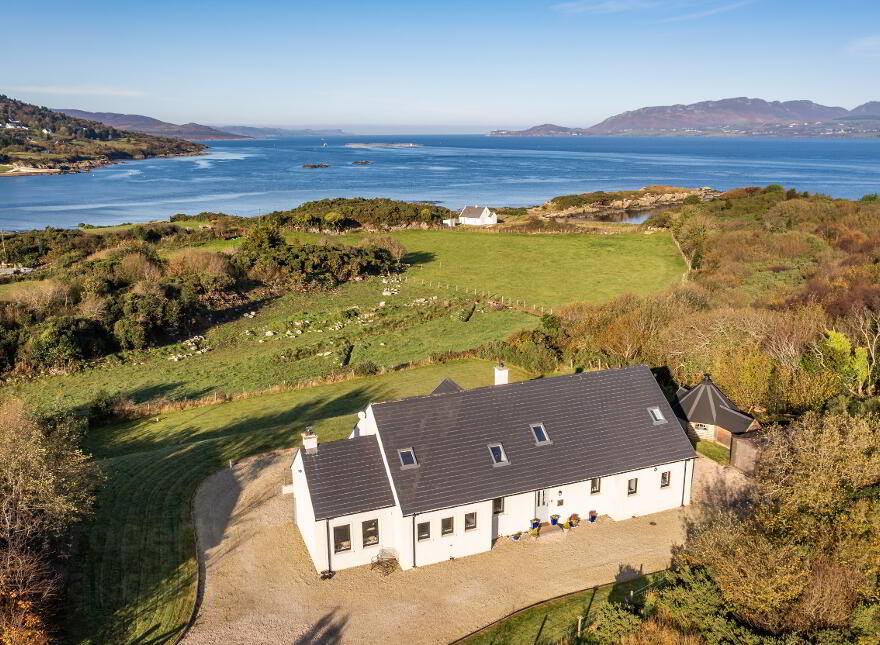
pixel 411 66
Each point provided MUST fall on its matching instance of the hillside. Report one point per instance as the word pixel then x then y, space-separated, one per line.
pixel 36 139
pixel 149 125
pixel 729 117
pixel 270 133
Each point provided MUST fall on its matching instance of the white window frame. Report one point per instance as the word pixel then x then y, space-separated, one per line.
pixel 474 526
pixel 336 548
pixel 504 461
pixel 635 489
pixel 411 451
pixel 363 533
pixel 451 531
pixel 668 475
pixel 657 416
pixel 545 440
pixel 598 481
pixel 500 510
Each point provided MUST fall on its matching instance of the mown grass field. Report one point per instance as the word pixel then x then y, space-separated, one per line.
pixel 134 577
pixel 553 620
pixel 544 270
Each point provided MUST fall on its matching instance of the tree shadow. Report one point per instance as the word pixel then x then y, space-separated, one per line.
pixel 626 580
pixel 419 257
pixel 327 631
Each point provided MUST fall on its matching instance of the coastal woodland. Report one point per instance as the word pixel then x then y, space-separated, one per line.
pixel 772 291
pixel 45 139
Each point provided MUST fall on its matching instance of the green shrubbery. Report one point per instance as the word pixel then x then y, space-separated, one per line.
pixel 342 213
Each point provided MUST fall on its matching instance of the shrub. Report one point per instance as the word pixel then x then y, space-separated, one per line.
pixel 200 261
pixel 395 248
pixel 135 267
pixel 367 368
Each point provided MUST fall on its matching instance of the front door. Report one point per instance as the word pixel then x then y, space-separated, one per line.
pixel 542 505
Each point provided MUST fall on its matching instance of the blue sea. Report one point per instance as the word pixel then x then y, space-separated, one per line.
pixel 249 177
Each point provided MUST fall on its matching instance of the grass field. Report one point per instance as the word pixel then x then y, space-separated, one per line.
pixel 244 359
pixel 544 270
pixel 135 575
pixel 5 168
pixel 551 621
pixel 714 451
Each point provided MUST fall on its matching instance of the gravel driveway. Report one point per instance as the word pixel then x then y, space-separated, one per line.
pixel 261 586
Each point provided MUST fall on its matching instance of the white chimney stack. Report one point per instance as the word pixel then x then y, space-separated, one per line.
pixel 310 441
pixel 501 374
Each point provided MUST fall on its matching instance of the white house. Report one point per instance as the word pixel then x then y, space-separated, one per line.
pixel 442 476
pixel 473 216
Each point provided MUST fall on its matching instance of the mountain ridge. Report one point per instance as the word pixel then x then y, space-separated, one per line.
pixel 740 116
pixel 150 125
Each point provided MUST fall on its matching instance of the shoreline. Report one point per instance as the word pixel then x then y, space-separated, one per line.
pixel 86 165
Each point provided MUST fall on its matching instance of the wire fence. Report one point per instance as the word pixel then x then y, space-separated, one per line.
pixel 515 303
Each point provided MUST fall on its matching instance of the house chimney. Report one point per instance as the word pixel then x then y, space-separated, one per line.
pixel 501 375
pixel 310 441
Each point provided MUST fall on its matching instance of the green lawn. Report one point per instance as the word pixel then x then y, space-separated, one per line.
pixel 553 620
pixel 134 577
pixel 714 451
pixel 5 168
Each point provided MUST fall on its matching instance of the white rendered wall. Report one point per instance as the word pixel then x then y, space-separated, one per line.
pixel 305 516
pixel 461 543
pixel 360 554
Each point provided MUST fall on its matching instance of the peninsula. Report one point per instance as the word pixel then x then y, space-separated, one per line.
pixel 37 140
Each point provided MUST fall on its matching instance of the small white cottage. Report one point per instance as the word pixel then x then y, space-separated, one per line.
pixel 442 476
pixel 474 216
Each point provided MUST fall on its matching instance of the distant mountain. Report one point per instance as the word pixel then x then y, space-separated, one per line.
pixel 267 133
pixel 149 125
pixel 728 117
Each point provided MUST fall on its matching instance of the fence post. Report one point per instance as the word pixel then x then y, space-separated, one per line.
pixel 580 622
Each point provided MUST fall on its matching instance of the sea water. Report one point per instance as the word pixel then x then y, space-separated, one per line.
pixel 250 177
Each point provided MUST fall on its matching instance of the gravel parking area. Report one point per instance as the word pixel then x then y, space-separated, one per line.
pixel 261 587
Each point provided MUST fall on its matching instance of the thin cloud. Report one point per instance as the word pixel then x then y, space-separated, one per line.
pixel 72 90
pixel 867 47
pixel 608 6
pixel 710 12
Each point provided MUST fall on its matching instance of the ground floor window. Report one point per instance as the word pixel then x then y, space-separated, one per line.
pixel 341 538
pixel 498 505
pixel 423 530
pixel 470 521
pixel 447 525
pixel 665 477
pixel 370 532
pixel 595 485
pixel 632 486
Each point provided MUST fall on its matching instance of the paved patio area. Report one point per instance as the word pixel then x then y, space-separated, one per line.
pixel 261 586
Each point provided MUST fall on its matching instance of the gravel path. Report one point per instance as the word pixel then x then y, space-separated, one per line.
pixel 261 586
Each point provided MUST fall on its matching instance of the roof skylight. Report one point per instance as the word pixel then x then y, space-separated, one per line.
pixel 540 433
pixel 499 457
pixel 407 458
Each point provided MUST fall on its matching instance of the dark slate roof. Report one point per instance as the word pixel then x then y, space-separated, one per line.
pixel 447 386
pixel 705 403
pixel 471 211
pixel 347 477
pixel 598 423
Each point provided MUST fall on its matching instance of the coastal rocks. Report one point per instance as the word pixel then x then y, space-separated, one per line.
pixel 644 199
pixel 361 162
pixel 316 165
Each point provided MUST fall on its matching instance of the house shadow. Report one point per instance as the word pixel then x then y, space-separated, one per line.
pixel 327 631
pixel 627 582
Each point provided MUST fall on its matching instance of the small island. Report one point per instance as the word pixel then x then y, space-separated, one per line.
pixel 316 165
pixel 383 145
pixel 361 162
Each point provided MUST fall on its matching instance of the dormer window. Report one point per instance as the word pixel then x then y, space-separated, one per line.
pixel 499 457
pixel 407 458
pixel 541 436
pixel 656 415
